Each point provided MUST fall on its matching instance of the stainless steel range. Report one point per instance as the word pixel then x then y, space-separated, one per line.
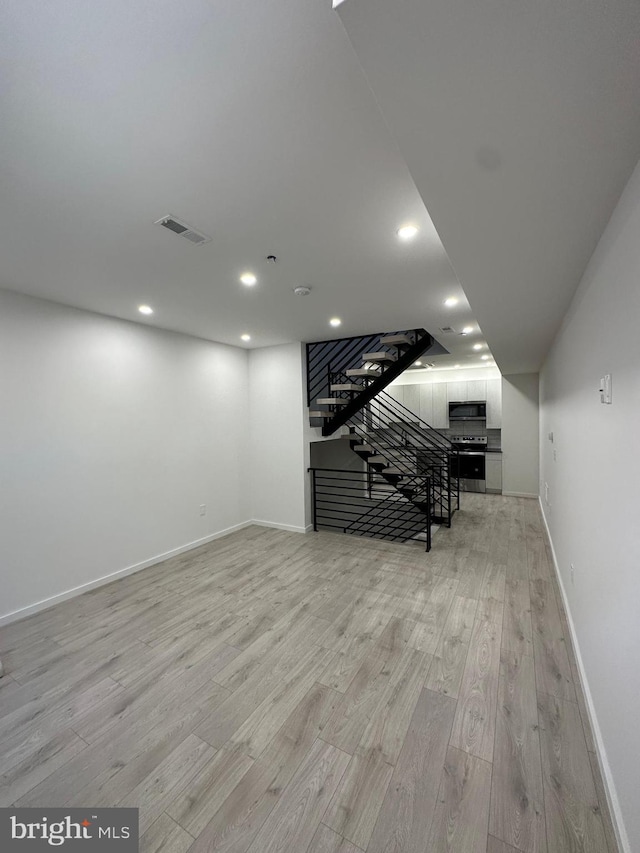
pixel 469 463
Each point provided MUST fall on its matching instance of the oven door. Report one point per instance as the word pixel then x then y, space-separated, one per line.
pixel 469 466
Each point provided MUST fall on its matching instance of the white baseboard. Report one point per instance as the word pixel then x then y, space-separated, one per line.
pixel 520 495
pixel 601 754
pixel 288 527
pixel 121 573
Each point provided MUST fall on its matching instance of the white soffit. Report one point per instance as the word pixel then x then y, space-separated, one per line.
pixel 520 124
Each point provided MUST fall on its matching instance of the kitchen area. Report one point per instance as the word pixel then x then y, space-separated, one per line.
pixel 505 435
pixel 468 411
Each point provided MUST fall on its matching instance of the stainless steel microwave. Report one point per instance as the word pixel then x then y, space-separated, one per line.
pixel 473 411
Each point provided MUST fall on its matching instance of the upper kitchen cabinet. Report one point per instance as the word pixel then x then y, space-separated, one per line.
pixel 494 404
pixel 440 406
pixel 457 392
pixel 477 390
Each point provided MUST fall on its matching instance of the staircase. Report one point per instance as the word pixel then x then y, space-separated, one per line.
pixel 372 371
pixel 407 461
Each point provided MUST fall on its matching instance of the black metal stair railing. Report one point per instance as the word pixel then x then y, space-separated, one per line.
pixel 410 447
pixel 411 464
pixel 434 451
pixel 342 501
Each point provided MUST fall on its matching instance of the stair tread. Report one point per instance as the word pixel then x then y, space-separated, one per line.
pixel 315 414
pixel 332 401
pixel 346 386
pixel 364 448
pixel 396 340
pixel 377 460
pixel 392 470
pixel 362 371
pixel 378 356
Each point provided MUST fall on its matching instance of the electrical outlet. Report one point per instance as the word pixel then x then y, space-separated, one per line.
pixel 203 509
pixel 572 575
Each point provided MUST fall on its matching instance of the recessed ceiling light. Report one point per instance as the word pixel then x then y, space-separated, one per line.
pixel 485 357
pixel 417 364
pixel 451 301
pixel 248 278
pixel 145 309
pixel 456 365
pixel 477 346
pixel 467 330
pixel 245 337
pixel 407 232
pixel 335 321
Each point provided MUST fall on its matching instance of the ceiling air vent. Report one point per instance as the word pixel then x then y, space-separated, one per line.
pixel 183 230
pixel 447 330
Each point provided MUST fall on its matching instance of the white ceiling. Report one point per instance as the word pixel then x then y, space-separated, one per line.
pixel 520 124
pixel 251 120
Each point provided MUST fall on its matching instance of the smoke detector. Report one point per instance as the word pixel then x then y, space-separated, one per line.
pixel 302 290
pixel 172 223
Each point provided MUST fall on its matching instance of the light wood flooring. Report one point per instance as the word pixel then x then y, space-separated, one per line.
pixel 317 694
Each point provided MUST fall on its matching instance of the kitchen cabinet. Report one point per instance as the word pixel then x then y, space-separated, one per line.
pixel 494 404
pixel 412 399
pixel 493 472
pixel 440 406
pixel 388 411
pixel 426 403
pixel 477 390
pixel 397 392
pixel 457 392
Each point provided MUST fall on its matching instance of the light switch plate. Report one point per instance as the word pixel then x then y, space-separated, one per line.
pixel 605 389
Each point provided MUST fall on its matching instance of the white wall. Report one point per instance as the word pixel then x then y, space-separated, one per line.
pixel 111 436
pixel 594 505
pixel 520 434
pixel 278 437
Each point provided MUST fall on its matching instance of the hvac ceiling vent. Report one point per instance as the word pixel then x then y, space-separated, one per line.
pixel 197 238
pixel 447 330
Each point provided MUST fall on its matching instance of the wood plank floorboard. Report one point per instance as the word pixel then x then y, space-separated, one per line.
pixel 165 836
pixel 517 808
pixel 460 818
pixel 271 692
pixel 571 802
pixel 327 841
